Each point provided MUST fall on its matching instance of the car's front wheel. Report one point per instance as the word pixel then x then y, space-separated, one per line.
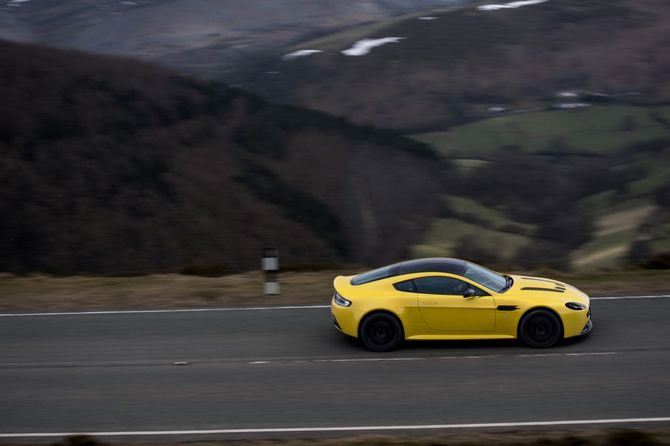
pixel 381 332
pixel 540 329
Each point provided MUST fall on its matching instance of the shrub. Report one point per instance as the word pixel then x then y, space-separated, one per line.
pixel 470 248
pixel 630 437
pixel 660 260
pixel 79 440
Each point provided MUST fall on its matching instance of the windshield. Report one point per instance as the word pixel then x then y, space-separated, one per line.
pixel 484 276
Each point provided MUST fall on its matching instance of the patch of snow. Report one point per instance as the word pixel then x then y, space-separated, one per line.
pixel 300 53
pixel 128 3
pixel 363 47
pixel 428 18
pixel 598 94
pixel 510 5
pixel 16 2
pixel 572 105
pixel 496 109
pixel 567 94
pixel 645 237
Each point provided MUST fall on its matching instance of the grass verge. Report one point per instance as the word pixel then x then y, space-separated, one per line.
pixel 43 293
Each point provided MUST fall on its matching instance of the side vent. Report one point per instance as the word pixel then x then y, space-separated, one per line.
pixel 507 307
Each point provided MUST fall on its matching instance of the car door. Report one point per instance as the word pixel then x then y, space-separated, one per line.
pixel 443 306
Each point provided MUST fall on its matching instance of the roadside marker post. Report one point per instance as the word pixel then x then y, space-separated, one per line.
pixel 270 266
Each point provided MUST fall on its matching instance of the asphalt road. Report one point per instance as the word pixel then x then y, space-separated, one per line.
pixel 288 368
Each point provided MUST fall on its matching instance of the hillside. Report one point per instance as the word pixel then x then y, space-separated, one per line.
pixel 113 166
pixel 466 63
pixel 583 189
pixel 201 37
pixel 554 112
pixel 534 136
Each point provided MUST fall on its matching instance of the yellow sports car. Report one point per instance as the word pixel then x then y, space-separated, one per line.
pixel 441 298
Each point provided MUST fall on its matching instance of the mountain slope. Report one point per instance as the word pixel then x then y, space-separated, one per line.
pixel 457 66
pixel 113 166
pixel 203 37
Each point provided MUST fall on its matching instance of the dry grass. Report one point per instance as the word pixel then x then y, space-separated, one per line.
pixel 159 291
pixel 633 282
pixel 43 293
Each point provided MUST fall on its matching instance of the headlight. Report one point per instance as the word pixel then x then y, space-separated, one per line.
pixel 341 301
pixel 575 306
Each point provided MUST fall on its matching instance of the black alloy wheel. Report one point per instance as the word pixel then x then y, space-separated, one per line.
pixel 381 332
pixel 540 329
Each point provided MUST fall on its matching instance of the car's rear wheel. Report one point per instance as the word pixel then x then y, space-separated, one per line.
pixel 540 329
pixel 381 332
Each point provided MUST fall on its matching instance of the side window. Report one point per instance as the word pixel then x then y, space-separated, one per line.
pixel 445 285
pixel 407 285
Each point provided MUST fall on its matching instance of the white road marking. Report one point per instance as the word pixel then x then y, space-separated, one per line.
pixel 651 296
pixel 368 359
pixel 270 430
pixel 592 354
pixel 428 358
pixel 268 308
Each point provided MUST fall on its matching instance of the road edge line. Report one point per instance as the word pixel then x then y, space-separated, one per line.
pixel 339 428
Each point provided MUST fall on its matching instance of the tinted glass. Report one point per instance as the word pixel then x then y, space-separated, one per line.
pixel 407 285
pixel 444 285
pixel 371 276
pixel 485 276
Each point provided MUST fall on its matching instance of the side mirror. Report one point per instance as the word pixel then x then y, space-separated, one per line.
pixel 469 293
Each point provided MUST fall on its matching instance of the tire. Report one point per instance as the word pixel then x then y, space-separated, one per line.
pixel 540 329
pixel 381 332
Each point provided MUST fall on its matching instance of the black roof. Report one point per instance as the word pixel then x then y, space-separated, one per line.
pixel 430 265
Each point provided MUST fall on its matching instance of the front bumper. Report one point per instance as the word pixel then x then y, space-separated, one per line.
pixel 335 323
pixel 576 323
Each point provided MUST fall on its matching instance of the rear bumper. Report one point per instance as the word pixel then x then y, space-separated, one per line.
pixel 344 319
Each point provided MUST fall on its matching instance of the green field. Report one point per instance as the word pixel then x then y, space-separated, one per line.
pixel 467 165
pixel 471 211
pixel 656 174
pixel 592 130
pixel 492 229
pixel 616 230
pixel 445 234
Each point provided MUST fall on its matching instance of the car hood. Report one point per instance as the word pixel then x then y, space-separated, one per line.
pixel 547 287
